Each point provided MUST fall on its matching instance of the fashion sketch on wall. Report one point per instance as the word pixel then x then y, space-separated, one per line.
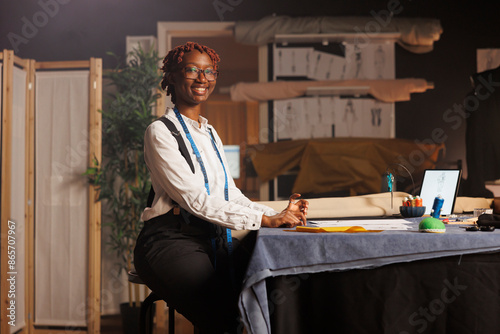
pixel 329 116
pixel 333 116
pixel 292 62
pixel 370 61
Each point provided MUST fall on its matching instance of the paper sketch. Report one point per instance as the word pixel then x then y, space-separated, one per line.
pixel 370 61
pixel 326 66
pixel 291 61
pixel 363 118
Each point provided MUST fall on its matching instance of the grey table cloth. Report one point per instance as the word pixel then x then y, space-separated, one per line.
pixel 280 252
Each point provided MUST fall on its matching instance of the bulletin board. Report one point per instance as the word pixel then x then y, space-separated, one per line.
pixel 335 115
pixel 348 112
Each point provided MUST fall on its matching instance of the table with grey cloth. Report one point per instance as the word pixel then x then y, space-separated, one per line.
pixel 279 252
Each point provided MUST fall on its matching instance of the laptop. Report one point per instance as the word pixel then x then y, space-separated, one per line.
pixel 442 182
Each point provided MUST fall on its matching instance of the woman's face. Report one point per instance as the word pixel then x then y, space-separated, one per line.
pixel 193 91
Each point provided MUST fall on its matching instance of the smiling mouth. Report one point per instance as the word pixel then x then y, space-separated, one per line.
pixel 201 90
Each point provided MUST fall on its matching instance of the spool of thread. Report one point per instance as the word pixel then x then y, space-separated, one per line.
pixel 437 206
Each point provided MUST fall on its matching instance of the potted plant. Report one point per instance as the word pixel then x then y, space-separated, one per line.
pixel 122 177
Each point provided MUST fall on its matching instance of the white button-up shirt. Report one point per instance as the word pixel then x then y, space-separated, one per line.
pixel 172 178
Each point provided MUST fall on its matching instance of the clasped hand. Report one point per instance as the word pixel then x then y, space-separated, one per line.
pixel 294 214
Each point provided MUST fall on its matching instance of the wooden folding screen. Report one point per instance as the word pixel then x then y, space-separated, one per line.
pixel 25 309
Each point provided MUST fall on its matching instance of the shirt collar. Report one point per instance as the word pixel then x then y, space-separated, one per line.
pixel 187 120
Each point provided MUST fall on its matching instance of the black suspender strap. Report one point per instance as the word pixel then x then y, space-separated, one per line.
pixel 177 135
pixel 182 148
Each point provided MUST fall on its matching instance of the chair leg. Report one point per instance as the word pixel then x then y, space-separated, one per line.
pixel 171 320
pixel 150 316
pixel 145 321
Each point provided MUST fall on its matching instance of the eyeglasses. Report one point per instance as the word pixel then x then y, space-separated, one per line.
pixel 193 72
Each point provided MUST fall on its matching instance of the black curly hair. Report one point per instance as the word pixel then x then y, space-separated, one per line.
pixel 174 57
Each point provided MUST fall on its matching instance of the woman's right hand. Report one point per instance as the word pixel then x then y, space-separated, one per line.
pixel 286 218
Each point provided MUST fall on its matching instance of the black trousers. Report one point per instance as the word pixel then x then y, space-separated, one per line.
pixel 175 257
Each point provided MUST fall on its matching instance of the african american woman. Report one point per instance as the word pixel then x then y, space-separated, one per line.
pixel 185 252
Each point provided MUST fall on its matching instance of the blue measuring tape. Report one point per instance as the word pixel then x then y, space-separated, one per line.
pixel 204 171
pixel 226 194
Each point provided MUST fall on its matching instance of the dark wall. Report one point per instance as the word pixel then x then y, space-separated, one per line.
pixel 78 29
pixel 467 26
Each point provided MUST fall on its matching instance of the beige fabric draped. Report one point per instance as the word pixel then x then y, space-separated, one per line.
pixel 372 205
pixel 334 164
pixel 416 34
pixel 396 90
pixel 61 197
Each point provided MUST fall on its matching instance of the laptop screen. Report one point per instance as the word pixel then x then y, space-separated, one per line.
pixel 442 182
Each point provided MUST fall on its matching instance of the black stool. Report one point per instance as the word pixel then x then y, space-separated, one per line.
pixel 145 322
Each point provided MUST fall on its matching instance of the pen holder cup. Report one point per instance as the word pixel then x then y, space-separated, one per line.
pixel 412 211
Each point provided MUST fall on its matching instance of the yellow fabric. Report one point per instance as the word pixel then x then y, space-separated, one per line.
pixel 334 164
pixel 344 229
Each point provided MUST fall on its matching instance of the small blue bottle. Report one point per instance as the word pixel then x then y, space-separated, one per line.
pixel 437 206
